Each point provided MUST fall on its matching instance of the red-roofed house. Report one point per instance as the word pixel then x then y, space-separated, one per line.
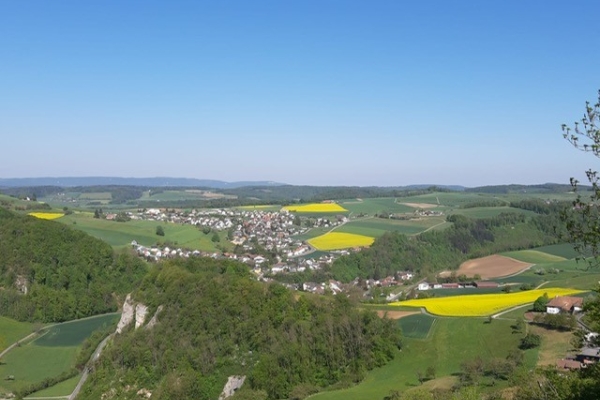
pixel 566 304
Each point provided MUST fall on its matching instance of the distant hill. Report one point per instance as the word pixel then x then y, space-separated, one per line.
pixel 150 182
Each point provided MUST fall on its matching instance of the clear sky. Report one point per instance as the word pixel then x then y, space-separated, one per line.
pixel 321 92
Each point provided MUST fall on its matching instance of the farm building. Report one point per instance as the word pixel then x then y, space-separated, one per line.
pixel 566 304
pixel 589 355
pixel 568 364
pixel 423 286
pixel 485 284
pixel 451 285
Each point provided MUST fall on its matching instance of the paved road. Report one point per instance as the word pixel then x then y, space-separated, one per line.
pixel 93 358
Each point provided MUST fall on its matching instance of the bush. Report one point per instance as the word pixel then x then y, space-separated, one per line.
pixel 530 341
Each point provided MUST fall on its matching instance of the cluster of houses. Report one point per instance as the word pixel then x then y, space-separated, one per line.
pixel 365 285
pixel 457 285
pixel 590 352
pixel 273 230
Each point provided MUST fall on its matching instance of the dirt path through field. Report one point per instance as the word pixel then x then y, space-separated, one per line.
pixel 395 314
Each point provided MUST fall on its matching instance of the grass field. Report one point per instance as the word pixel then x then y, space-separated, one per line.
pixel 489 212
pixel 376 227
pixel 63 388
pixel 533 256
pixel 416 326
pixel 376 205
pixel 51 354
pixel 260 208
pixel 11 331
pixel 451 342
pixel 564 250
pixel 191 194
pixel 484 304
pixel 96 196
pixel 555 344
pixel 463 291
pixel 336 241
pixel 312 233
pixel 119 234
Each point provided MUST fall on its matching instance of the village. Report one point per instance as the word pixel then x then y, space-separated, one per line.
pixel 264 240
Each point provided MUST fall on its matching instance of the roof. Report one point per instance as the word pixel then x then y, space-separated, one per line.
pixel 481 284
pixel 590 352
pixel 565 303
pixel 568 364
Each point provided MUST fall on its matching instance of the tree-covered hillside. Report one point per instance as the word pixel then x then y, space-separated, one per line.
pixel 434 251
pixel 50 272
pixel 218 321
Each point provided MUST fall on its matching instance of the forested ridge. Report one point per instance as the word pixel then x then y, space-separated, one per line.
pixel 434 251
pixel 50 272
pixel 218 321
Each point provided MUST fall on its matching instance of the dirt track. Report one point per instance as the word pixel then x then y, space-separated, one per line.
pixel 395 314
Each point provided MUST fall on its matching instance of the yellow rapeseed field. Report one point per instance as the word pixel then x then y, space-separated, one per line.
pixel 338 240
pixel 478 305
pixel 316 208
pixel 42 215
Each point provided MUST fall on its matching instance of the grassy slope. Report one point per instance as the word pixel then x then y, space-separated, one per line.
pixel 532 256
pixel 377 226
pixel 489 212
pixel 376 205
pixel 49 355
pixel 63 388
pixel 571 275
pixel 452 341
pixel 119 234
pixel 31 363
pixel 11 331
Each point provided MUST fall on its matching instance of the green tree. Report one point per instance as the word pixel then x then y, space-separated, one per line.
pixel 530 341
pixel 540 303
pixel 215 238
pixel 160 231
pixel 582 219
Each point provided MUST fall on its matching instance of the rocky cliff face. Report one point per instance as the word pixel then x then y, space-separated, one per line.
pixel 234 382
pixel 138 312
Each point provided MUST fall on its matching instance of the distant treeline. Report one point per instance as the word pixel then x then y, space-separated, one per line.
pixel 65 273
pixel 543 188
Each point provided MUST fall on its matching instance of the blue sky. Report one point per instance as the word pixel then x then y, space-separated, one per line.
pixel 303 92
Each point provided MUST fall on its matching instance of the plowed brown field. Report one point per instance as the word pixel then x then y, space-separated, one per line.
pixel 490 267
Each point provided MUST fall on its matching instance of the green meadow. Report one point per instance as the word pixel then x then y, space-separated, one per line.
pixel 375 227
pixel 51 354
pixel 451 342
pixel 121 234
pixel 533 256
pixel 489 212
pixel 416 326
pixel 372 206
pixel 11 331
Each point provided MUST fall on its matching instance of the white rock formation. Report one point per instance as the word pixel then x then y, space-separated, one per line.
pixel 21 284
pixel 127 314
pixel 234 382
pixel 154 319
pixel 140 314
